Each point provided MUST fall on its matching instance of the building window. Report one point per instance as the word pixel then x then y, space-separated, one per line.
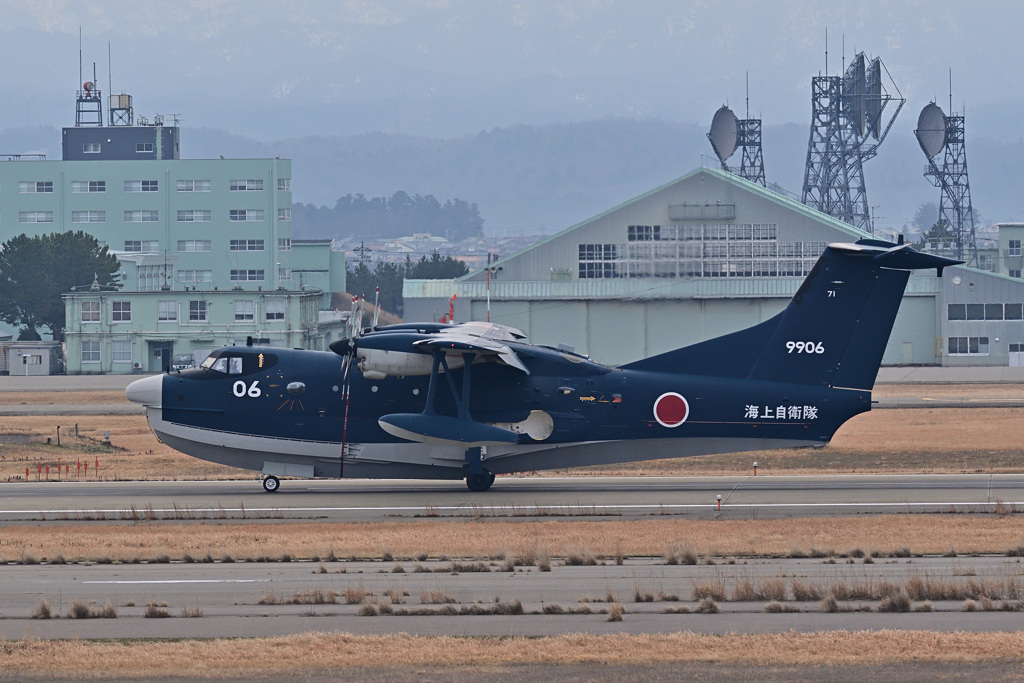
pixel 246 215
pixel 90 352
pixel 121 311
pixel 145 246
pixel 246 245
pixel 90 311
pixel 144 147
pixel 284 184
pixel 993 311
pixel 191 276
pixel 1014 249
pixel 1013 311
pixel 195 245
pixel 35 217
pixel 141 186
pixel 35 187
pixel 197 311
pixel 193 216
pixel 1017 348
pixel 193 186
pixel 1014 273
pixel 255 185
pixel 250 275
pixel 144 216
pixel 166 311
pixel 245 311
pixel 284 274
pixel 968 346
pixel 284 243
pixel 956 312
pixel 88 216
pixel 284 215
pixel 275 309
pixel 121 351
pixel 87 186
pixel 91 148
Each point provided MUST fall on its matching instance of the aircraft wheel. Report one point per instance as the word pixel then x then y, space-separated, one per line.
pixel 479 482
pixel 271 483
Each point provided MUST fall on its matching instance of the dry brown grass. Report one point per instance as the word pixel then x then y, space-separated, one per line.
pixel 321 652
pixel 926 534
pixel 906 440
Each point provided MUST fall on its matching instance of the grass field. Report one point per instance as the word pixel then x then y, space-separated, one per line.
pixel 347 654
pixel 140 539
pixel 933 440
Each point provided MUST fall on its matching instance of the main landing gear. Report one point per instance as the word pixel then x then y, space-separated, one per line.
pixel 480 481
pixel 271 483
pixel 477 478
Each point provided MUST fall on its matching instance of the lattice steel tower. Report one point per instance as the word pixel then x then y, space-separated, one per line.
pixel 936 133
pixel 846 114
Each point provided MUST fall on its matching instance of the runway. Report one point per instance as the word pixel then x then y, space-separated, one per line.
pixel 519 497
pixel 253 599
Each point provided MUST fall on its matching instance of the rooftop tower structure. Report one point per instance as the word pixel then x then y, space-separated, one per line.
pixel 847 130
pixel 727 133
pixel 938 133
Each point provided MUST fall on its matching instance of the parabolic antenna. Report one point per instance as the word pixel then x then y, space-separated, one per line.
pixel 854 88
pixel 723 133
pixel 873 103
pixel 931 130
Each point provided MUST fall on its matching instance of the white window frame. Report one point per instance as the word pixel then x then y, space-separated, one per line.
pixel 120 311
pixel 90 352
pixel 193 186
pixel 194 215
pixel 284 243
pixel 88 216
pixel 122 354
pixel 284 184
pixel 141 216
pixel 88 186
pixel 167 310
pixel 35 187
pixel 245 311
pixel 192 276
pixel 142 246
pixel 90 311
pixel 245 215
pixel 284 215
pixel 274 309
pixel 198 311
pixel 144 148
pixel 246 245
pixel 142 186
pixel 195 246
pixel 246 185
pixel 248 275
pixel 91 148
pixel 35 217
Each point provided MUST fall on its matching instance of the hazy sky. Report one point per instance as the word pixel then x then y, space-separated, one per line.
pixel 273 70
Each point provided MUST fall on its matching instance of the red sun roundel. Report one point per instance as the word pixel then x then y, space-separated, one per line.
pixel 671 409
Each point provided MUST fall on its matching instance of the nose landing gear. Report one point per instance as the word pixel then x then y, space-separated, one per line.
pixel 271 483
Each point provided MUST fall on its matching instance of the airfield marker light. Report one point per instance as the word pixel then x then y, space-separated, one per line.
pixel 58 468
pixel 39 471
pixel 58 436
pixel 96 472
pixel 47 473
pixel 719 501
pixel 755 468
pixel 26 474
pixel 86 469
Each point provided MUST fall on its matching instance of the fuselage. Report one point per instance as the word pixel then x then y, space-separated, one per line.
pixel 249 406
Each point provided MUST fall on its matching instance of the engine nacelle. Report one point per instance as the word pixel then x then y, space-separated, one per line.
pixel 378 364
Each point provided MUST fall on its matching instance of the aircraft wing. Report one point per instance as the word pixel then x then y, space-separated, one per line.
pixel 454 342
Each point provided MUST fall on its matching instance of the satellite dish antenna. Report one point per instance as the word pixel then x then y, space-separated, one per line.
pixel 931 130
pixel 723 134
pixel 873 103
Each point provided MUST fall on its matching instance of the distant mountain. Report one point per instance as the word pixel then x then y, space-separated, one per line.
pixel 545 178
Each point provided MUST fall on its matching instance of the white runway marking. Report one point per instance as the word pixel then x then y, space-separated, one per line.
pixel 185 581
pixel 476 509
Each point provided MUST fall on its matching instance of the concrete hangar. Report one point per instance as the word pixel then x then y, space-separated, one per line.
pixel 708 254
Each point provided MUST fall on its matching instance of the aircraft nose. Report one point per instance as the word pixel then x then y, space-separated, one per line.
pixel 146 391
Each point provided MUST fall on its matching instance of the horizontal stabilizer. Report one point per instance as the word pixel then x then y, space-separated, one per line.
pixel 449 431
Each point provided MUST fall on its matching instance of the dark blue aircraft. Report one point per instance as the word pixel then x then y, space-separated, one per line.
pixel 437 401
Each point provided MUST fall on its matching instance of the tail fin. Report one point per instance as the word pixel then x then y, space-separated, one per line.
pixel 833 332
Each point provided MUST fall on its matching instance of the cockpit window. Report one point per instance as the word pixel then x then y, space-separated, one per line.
pixel 230 364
